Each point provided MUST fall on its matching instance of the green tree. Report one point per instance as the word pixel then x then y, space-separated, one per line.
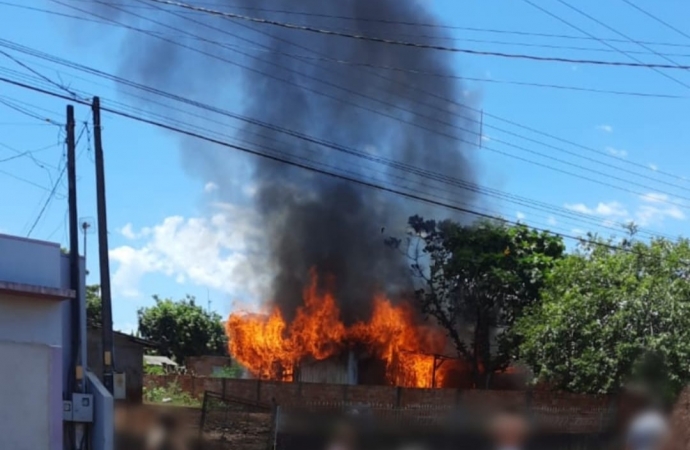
pixel 611 314
pixel 476 280
pixel 182 328
pixel 93 305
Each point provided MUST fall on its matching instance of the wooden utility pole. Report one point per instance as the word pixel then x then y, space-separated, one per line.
pixel 76 377
pixel 106 300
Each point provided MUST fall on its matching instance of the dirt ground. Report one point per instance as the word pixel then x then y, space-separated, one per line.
pixel 223 429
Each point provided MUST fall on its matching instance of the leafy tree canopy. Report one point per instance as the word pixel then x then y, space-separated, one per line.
pixel 476 280
pixel 613 314
pixel 182 328
pixel 93 306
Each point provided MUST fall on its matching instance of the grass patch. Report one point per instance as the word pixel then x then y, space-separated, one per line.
pixel 171 394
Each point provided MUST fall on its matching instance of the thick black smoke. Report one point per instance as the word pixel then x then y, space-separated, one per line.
pixel 311 220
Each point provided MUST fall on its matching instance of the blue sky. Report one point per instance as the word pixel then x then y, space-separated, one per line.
pixel 171 235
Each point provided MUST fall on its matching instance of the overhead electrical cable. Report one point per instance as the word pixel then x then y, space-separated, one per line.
pixel 389 79
pixel 426 128
pixel 498 151
pixel 653 67
pixel 422 46
pixel 431 94
pixel 386 21
pixel 53 191
pixel 282 159
pixel 414 71
pixel 657 19
pixel 529 203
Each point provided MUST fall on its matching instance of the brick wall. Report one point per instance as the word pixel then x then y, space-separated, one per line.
pixel 558 411
pixel 204 365
pixel 288 393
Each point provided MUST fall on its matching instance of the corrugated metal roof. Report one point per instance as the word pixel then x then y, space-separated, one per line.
pixel 152 360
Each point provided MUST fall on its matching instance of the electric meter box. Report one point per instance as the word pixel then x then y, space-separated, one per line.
pixel 82 408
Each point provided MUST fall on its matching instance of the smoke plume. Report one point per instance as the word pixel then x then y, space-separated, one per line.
pixel 288 79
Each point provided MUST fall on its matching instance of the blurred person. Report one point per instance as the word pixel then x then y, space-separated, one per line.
pixel 344 437
pixel 164 434
pixel 509 430
pixel 649 429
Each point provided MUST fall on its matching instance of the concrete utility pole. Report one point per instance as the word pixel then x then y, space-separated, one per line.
pixel 76 379
pixel 106 310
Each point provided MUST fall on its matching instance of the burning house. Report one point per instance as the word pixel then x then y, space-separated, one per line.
pixel 392 347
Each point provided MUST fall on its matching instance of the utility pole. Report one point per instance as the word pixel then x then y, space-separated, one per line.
pixel 75 279
pixel 106 310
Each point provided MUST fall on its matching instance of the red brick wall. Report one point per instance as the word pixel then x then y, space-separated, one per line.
pixel 286 393
pixel 559 411
pixel 203 365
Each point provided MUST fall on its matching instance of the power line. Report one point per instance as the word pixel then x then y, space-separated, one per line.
pixel 281 158
pixel 495 150
pixel 38 74
pixel 419 45
pixel 29 153
pixel 139 86
pixel 432 94
pixel 530 204
pixel 53 191
pixel 657 19
pixel 386 21
pixel 655 68
pixel 521 201
pixel 595 20
pixel 414 123
pixel 406 35
pixel 24 180
pixel 356 93
pixel 27 112
pixel 414 71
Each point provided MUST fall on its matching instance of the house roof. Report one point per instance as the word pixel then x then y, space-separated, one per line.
pixel 129 337
pixel 153 360
pixel 137 340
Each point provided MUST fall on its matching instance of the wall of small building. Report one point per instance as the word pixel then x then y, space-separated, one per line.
pixel 334 370
pixel 31 348
pixel 128 357
pixel 207 366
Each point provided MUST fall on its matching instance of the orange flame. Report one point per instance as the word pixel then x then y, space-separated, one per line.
pixel 269 347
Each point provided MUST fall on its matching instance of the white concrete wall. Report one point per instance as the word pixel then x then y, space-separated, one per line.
pixel 104 413
pixel 31 373
pixel 31 347
pixel 25 392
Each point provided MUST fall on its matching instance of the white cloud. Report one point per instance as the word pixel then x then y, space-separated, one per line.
pixel 654 167
pixel 654 197
pixel 656 208
pixel 218 252
pixel 520 216
pixel 128 232
pixel 610 209
pixel 605 128
pixel 617 152
pixel 210 187
pixel 653 209
pixel 552 220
